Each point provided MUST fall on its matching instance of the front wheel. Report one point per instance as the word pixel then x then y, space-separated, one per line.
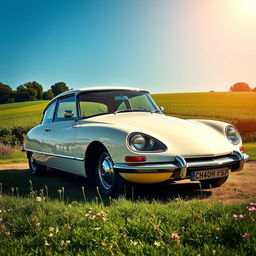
pixel 35 168
pixel 108 180
pixel 214 183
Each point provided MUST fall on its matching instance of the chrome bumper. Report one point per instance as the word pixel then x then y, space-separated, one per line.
pixel 181 166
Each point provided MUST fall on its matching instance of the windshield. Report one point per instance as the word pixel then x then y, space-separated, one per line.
pixel 107 102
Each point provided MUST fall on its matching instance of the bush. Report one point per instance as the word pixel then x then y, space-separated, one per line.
pixel 6 150
pixel 13 136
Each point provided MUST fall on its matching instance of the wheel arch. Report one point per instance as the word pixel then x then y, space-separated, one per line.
pixel 92 148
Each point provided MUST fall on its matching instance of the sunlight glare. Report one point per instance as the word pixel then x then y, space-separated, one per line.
pixel 245 9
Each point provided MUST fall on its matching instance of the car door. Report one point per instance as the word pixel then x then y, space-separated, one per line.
pixel 59 136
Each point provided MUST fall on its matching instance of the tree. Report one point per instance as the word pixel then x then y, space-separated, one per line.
pixel 35 86
pixel 254 90
pixel 240 87
pixel 5 93
pixel 29 91
pixel 48 95
pixel 59 87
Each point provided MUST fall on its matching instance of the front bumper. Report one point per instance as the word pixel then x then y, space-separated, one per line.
pixel 181 168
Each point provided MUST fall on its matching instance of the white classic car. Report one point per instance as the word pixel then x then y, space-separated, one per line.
pixel 118 136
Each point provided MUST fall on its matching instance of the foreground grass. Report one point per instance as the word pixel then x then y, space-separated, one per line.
pixel 38 227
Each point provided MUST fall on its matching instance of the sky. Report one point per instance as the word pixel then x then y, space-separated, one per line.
pixel 158 45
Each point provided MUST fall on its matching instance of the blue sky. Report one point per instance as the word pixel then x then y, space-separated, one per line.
pixel 159 45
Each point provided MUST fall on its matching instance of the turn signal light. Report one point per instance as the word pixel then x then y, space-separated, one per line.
pixel 135 159
pixel 242 148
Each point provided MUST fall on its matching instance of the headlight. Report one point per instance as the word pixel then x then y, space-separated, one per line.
pixel 142 142
pixel 233 135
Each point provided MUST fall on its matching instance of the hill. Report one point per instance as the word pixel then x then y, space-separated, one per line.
pixel 25 114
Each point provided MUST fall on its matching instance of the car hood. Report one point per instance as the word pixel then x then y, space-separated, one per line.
pixel 188 138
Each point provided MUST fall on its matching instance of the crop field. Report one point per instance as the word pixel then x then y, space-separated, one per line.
pixel 214 105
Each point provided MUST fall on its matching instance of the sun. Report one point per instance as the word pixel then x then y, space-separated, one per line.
pixel 245 9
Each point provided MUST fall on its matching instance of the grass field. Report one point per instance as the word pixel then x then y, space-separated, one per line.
pixel 25 114
pixel 39 227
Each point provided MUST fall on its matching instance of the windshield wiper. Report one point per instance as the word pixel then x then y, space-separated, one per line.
pixel 131 110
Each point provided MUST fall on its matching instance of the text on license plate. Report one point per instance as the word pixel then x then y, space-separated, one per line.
pixel 210 174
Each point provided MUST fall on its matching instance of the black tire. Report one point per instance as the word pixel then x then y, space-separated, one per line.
pixel 108 180
pixel 213 183
pixel 35 168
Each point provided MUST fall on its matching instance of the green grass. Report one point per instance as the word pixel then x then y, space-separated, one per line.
pixel 31 227
pixel 17 156
pixel 25 114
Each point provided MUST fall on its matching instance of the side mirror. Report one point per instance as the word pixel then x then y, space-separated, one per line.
pixel 162 109
pixel 68 113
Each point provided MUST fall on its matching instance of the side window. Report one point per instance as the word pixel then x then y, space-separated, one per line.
pixel 65 105
pixel 122 106
pixel 49 113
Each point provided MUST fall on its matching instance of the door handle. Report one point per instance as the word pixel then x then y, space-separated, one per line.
pixel 47 129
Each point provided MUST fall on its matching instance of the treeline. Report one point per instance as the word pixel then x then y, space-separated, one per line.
pixel 241 87
pixel 30 91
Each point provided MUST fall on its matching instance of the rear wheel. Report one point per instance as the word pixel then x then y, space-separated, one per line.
pixel 35 168
pixel 213 183
pixel 108 180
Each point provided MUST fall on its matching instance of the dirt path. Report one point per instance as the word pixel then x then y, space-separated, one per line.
pixel 240 186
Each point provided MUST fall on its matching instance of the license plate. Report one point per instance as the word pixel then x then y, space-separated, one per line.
pixel 210 174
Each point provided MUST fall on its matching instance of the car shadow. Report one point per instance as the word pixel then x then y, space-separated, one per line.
pixel 59 185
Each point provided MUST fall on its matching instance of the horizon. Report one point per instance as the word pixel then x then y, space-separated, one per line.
pixel 161 46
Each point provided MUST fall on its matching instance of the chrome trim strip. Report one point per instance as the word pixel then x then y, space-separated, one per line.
pixel 146 167
pixel 52 154
pixel 209 155
pixel 214 162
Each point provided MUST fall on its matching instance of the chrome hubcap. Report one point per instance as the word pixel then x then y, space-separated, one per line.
pixel 106 171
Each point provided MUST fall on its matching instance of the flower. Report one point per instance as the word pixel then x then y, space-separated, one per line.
pixel 246 235
pixel 156 227
pixel 65 243
pixel 39 199
pixel 252 204
pixel 51 229
pixel 175 235
pixel 238 217
pixel 156 243
pixel 134 243
pixel 251 208
pixel 46 243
